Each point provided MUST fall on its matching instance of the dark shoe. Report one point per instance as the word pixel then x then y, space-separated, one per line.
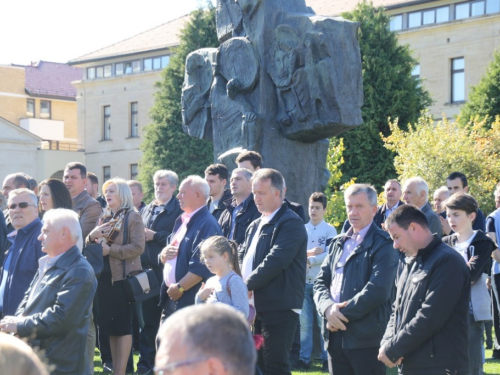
pixel 141 370
pixel 325 366
pixel 301 365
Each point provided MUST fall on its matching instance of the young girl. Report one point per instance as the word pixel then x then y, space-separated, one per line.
pixel 475 248
pixel 221 258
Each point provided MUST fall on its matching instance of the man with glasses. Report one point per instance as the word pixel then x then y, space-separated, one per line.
pixel 206 339
pixel 21 261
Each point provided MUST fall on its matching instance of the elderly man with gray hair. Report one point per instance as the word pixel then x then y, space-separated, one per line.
pixel 353 288
pixel 55 312
pixel 159 218
pixel 21 261
pixel 211 339
pixel 416 193
pixel 183 271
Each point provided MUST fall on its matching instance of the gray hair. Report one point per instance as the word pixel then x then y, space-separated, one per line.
pixel 247 173
pixel 171 176
pixel 200 184
pixel 29 192
pixel 356 189
pixel 276 178
pixel 213 330
pixel 442 189
pixel 420 185
pixel 61 218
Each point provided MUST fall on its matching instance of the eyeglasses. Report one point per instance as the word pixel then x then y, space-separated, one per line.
pixel 171 367
pixel 21 205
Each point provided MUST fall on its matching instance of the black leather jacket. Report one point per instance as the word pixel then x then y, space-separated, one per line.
pixel 367 285
pixel 429 323
pixel 58 316
pixel 245 216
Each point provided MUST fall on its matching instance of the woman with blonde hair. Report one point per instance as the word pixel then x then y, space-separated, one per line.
pixel 17 357
pixel 121 232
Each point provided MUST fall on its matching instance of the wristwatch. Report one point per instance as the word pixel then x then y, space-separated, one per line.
pixel 181 289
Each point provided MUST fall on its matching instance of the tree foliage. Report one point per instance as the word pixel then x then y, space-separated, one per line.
pixel 484 99
pixel 389 92
pixel 434 150
pixel 165 145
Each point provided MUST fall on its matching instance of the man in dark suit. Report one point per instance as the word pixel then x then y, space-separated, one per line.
pixel 273 259
pixel 183 270
pixel 159 218
pixel 240 210
pixel 392 192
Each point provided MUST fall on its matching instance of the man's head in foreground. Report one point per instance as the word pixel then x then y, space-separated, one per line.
pixel 209 339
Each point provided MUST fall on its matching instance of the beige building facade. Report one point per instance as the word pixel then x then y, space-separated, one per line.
pixel 453 42
pixel 38 119
pixel 116 95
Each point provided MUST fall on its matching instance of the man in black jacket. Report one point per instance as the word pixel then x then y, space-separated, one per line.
pixel 159 218
pixel 353 288
pixel 240 210
pixel 427 332
pixel 274 267
pixel 216 176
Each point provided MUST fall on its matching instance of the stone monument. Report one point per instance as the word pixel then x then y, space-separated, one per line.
pixel 281 83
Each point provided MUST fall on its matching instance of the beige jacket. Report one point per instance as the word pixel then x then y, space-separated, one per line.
pixel 131 252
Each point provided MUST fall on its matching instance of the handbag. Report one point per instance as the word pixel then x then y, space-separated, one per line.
pixel 93 254
pixel 139 285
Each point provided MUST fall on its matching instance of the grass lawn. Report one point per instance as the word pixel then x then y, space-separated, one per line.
pixel 491 367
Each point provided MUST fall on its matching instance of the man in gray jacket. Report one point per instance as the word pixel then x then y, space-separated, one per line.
pixel 55 312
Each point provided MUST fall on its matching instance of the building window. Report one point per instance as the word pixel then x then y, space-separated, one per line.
pixel 415 72
pixel 442 14
pixel 99 72
pixel 396 23
pixel 166 59
pixel 414 19
pixel 45 109
pixel 148 64
pixel 107 70
pixel 106 134
pixel 492 6
pixel 457 80
pixel 91 73
pixel 30 107
pixel 106 173
pixel 118 69
pixel 133 171
pixel 134 120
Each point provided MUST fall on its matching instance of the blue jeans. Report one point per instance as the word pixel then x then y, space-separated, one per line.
pixel 306 327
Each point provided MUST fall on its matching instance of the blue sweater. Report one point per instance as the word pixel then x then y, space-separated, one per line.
pixel 24 252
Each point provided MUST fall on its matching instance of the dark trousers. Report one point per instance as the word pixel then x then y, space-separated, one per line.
pixel 278 329
pixel 151 313
pixel 352 361
pixel 495 286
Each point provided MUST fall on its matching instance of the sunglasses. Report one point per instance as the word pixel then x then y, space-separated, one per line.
pixel 21 205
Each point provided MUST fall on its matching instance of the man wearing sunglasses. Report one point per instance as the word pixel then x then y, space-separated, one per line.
pixel 21 261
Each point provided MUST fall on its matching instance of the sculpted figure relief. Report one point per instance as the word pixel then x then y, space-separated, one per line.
pixel 282 81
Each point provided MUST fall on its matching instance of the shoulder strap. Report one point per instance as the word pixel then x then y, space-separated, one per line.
pixel 228 285
pixel 125 239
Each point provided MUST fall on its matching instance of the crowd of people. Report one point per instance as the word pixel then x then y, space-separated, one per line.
pixel 248 285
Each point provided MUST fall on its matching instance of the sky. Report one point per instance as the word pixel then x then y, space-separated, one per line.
pixel 62 30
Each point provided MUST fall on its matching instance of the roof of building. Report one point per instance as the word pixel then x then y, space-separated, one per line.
pixel 160 37
pixel 50 79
